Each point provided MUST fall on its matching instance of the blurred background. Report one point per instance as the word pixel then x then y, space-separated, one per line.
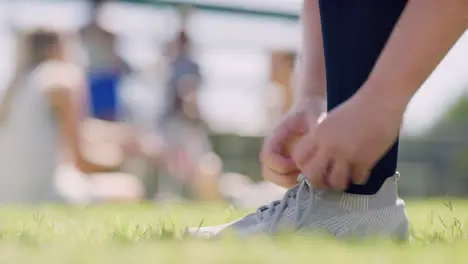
pixel 168 100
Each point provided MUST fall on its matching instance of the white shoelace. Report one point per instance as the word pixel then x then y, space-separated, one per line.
pixel 273 211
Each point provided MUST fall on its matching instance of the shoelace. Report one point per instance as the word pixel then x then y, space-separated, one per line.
pixel 273 211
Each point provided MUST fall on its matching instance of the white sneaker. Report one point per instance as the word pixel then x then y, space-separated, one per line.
pixel 304 208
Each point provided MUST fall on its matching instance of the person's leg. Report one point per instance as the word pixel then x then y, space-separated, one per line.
pixel 354 34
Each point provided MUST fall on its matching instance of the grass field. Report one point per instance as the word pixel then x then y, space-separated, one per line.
pixel 149 234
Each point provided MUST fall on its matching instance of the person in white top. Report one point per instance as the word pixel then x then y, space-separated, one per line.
pixel 39 112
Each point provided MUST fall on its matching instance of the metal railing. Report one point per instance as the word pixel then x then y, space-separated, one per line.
pixel 229 9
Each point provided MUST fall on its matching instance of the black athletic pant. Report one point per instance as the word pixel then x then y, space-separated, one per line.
pixel 354 34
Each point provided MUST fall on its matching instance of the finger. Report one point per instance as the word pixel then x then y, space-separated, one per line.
pixel 291 144
pixel 287 133
pixel 296 125
pixel 303 151
pixel 284 180
pixel 316 169
pixel 339 175
pixel 278 158
pixel 275 153
pixel 360 175
pixel 277 162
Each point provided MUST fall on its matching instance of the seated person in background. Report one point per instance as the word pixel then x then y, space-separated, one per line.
pixel 40 120
pixel 105 71
pixel 104 133
pixel 105 67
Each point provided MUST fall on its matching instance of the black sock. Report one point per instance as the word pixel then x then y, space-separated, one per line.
pixel 354 34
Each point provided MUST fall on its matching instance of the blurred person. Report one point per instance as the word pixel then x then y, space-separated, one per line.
pixel 40 117
pixel 183 128
pixel 105 71
pixel 184 81
pixel 105 137
pixel 105 67
pixel 367 58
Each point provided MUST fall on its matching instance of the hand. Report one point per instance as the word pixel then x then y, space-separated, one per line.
pixel 345 146
pixel 277 164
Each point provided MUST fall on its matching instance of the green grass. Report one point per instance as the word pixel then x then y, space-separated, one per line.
pixel 149 234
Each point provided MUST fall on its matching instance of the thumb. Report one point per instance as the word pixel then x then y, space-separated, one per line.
pixel 277 161
pixel 287 180
pixel 292 142
pixel 281 161
pixel 297 124
pixel 275 154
